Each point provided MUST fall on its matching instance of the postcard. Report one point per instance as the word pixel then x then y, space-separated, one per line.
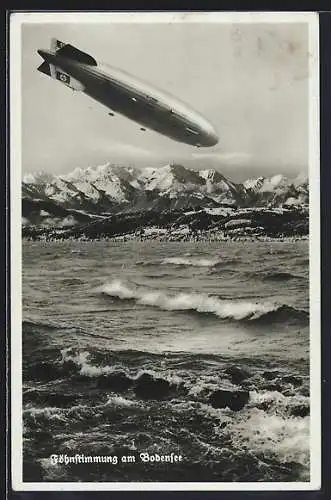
pixel 165 273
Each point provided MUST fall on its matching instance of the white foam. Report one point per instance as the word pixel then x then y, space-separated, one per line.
pixel 271 434
pixel 165 375
pixel 120 401
pixel 195 262
pixel 81 359
pixel 190 301
pixel 94 371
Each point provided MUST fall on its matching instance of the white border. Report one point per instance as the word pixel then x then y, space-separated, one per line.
pixel 16 21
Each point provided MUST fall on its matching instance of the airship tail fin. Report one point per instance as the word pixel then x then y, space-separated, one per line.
pixel 55 72
pixel 70 52
pixel 56 45
pixel 45 68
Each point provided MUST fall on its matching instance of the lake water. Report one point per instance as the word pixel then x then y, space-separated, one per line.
pixel 99 316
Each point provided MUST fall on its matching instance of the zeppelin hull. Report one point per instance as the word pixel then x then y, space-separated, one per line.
pixel 143 112
pixel 122 93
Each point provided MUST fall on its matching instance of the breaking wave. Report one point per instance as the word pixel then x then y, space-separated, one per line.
pixel 201 303
pixel 155 345
pixel 186 261
pixel 194 262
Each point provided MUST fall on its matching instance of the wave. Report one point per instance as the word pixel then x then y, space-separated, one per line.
pixel 33 414
pixel 194 262
pixel 71 281
pixel 280 276
pixel 31 324
pixel 113 373
pixel 158 276
pixel 50 399
pixel 159 383
pixel 271 436
pixel 285 313
pixel 201 303
pixel 302 261
pixel 186 261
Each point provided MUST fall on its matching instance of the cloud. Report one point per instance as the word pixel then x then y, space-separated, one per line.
pixel 233 158
pixel 125 151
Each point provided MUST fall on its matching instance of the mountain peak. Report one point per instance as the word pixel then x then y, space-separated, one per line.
pixel 110 187
pixel 301 178
pixel 37 178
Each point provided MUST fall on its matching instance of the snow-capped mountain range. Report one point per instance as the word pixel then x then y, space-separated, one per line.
pixel 110 188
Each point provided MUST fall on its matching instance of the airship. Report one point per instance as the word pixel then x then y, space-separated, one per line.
pixel 125 94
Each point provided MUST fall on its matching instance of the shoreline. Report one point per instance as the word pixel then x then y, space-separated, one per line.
pixel 194 226
pixel 203 238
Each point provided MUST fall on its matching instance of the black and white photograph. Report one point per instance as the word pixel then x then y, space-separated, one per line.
pixel 165 289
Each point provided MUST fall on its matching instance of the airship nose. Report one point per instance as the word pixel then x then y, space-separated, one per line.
pixel 210 136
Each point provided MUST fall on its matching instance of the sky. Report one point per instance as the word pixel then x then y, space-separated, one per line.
pixel 249 80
